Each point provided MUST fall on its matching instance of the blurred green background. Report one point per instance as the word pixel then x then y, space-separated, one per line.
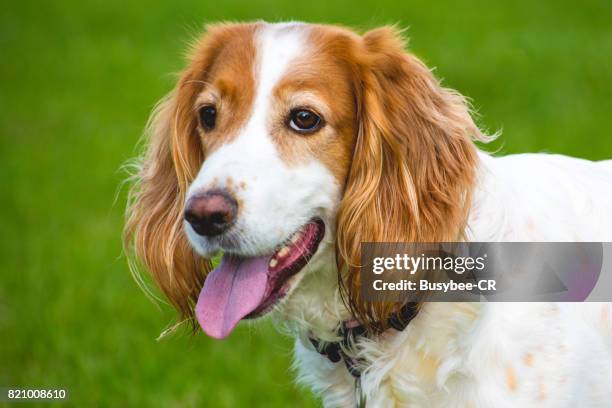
pixel 78 80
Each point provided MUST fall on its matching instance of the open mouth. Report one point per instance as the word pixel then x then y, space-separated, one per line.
pixel 249 287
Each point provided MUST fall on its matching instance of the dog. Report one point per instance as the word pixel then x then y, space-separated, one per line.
pixel 285 146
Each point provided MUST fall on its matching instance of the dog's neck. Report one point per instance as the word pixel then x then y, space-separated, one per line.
pixel 316 307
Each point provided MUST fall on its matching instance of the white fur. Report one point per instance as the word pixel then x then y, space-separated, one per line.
pixel 476 355
pixel 451 355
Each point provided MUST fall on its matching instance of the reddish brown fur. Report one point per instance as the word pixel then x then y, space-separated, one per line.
pixel 328 71
pixel 413 166
pixel 229 83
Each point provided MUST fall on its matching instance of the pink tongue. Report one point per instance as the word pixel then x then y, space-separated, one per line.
pixel 230 292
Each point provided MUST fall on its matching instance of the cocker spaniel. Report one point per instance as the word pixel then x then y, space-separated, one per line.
pixel 285 146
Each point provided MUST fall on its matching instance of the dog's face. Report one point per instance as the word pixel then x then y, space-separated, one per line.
pixel 276 119
pixel 283 144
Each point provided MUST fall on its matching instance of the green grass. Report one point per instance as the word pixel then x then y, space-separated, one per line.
pixel 78 80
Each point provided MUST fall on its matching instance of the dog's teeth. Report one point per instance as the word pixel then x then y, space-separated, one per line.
pixel 273 262
pixel 283 252
pixel 295 237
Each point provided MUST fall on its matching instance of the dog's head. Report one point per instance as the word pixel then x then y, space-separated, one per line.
pixel 284 146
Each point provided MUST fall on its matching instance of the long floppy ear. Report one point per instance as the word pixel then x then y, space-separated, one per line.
pixel 153 233
pixel 413 166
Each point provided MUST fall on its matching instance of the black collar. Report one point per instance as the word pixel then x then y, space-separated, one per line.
pixel 350 333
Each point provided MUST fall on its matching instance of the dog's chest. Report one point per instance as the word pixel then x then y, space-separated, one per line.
pixel 455 356
pixel 404 368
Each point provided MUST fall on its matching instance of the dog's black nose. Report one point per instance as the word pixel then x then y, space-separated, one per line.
pixel 211 213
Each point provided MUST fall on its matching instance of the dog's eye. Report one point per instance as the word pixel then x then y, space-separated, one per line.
pixel 208 117
pixel 304 121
